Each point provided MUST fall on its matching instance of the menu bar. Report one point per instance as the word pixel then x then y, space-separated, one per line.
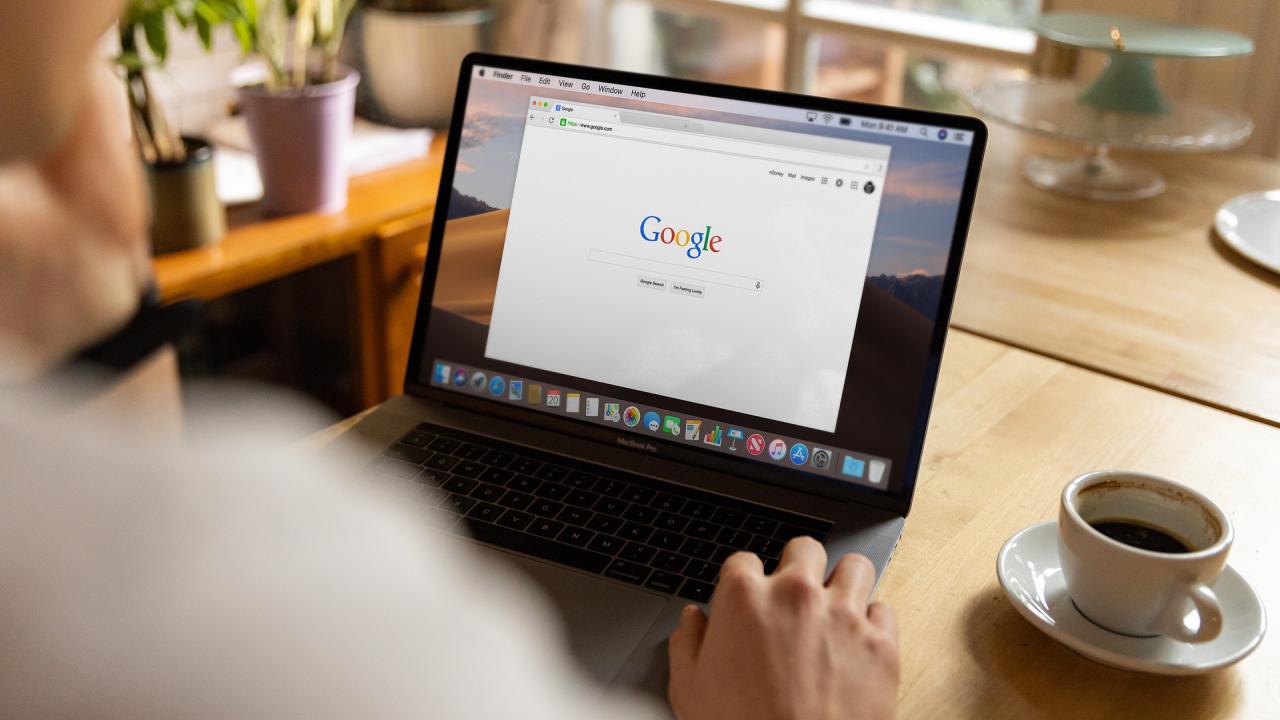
pixel 645 420
pixel 800 116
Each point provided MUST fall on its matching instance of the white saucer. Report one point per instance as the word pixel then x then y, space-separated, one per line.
pixel 1250 225
pixel 1032 579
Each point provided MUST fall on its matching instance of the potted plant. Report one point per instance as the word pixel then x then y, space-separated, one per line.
pixel 299 119
pixel 186 212
pixel 412 50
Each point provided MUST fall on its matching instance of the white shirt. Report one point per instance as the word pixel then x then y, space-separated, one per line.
pixel 236 578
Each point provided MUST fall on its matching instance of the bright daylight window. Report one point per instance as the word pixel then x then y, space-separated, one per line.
pixel 919 53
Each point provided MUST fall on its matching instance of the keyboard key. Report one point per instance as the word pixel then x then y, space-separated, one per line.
pixel 459 504
pixel 440 461
pixel 667 540
pixel 581 480
pixel 487 492
pixel 443 444
pixel 396 468
pixel 610 488
pixel 700 550
pixel 702 530
pixel 731 518
pixel 576 536
pixel 636 532
pixel 540 547
pixel 497 476
pixel 515 520
pixel 770 564
pixel 460 485
pixel 671 521
pixel 551 472
pixel 546 528
pixel 524 483
pixel 635 552
pixel 552 491
pixel 546 508
pixel 497 458
pixel 468 468
pixel 722 553
pixel 640 514
pixel 417 438
pixel 605 524
pixel 786 532
pixel 605 544
pixel 524 465
pixel 668 561
pixel 575 516
pixel 698 510
pixel 627 571
pixel 734 538
pixel 637 494
pixel 408 453
pixel 765 547
pixel 517 500
pixel 702 571
pixel 664 581
pixel 697 591
pixel 760 526
pixel 432 478
pixel 610 506
pixel 581 498
pixel 667 502
pixel 470 451
pixel 485 512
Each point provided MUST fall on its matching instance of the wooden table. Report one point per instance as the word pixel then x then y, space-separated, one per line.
pixel 1141 291
pixel 388 213
pixel 1009 429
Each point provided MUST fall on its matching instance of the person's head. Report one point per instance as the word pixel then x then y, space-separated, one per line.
pixel 44 48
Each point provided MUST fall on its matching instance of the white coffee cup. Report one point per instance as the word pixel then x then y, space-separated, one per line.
pixel 1135 591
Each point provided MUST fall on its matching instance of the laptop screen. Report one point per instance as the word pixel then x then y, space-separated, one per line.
pixel 756 281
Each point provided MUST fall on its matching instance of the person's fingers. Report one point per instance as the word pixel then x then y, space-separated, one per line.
pixel 853 579
pixel 742 562
pixel 686 641
pixel 883 617
pixel 805 556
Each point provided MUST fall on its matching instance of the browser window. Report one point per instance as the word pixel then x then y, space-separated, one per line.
pixel 707 261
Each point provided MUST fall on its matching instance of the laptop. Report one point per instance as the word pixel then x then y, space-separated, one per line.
pixel 663 321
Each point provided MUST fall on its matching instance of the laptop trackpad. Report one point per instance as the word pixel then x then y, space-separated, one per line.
pixel 605 619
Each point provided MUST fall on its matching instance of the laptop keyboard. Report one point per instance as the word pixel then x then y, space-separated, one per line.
pixel 627 527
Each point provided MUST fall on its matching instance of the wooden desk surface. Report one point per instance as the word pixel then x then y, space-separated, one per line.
pixel 1138 290
pixel 259 249
pixel 1009 429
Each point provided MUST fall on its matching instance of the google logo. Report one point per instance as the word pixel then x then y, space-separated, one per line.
pixel 695 242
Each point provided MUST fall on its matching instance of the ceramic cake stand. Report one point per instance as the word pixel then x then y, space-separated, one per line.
pixel 1123 108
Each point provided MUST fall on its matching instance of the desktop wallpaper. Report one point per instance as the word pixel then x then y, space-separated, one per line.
pixel 911 245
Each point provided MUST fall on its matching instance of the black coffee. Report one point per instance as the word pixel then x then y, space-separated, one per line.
pixel 1139 535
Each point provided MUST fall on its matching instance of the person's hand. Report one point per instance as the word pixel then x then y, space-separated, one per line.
pixel 73 236
pixel 787 646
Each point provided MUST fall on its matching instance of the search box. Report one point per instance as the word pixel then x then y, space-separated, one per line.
pixel 674 270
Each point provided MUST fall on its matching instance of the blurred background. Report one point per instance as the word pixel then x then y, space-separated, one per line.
pixel 325 328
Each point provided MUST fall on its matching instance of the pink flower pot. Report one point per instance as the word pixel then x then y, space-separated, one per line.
pixel 300 139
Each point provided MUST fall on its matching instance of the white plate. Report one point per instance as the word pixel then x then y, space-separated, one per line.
pixel 1250 225
pixel 1031 576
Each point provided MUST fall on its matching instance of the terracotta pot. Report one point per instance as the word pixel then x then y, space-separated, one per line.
pixel 300 138
pixel 186 212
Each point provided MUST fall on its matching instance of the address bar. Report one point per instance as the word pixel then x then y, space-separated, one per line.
pixel 761 151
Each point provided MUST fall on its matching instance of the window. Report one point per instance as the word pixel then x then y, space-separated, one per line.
pixel 922 53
